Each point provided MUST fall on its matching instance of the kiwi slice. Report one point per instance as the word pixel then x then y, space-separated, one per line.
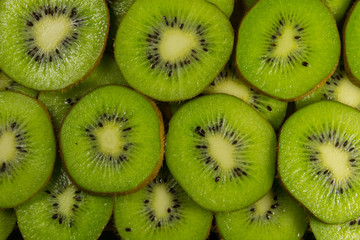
pixel 344 231
pixel 337 88
pixel 7 84
pixel 226 6
pixel 276 216
pixel 228 82
pixel 59 102
pixel 51 44
pixel 171 51
pixel 112 140
pixel 292 50
pixel 62 211
pixel 27 148
pixel 318 160
pixel 215 154
pixel 161 210
pixel 7 222
pixel 351 37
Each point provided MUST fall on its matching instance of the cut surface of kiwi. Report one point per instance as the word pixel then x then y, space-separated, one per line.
pixel 227 6
pixel 338 7
pixel 51 44
pixel 292 49
pixel 276 216
pixel 351 37
pixel 7 84
pixel 344 231
pixel 27 148
pixel 318 160
pixel 62 211
pixel 175 50
pixel 7 222
pixel 221 152
pixel 161 211
pixel 59 102
pixel 228 82
pixel 112 140
pixel 337 88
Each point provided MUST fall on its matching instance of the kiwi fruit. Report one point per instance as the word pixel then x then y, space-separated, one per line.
pixel 161 210
pixel 214 154
pixel 62 211
pixel 59 102
pixel 276 216
pixel 51 44
pixel 337 88
pixel 228 82
pixel 112 141
pixel 318 160
pixel 226 6
pixel 7 84
pixel 351 52
pixel 338 7
pixel 27 148
pixel 292 50
pixel 174 51
pixel 344 231
pixel 7 222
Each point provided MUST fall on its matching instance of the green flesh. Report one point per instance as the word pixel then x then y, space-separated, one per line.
pixel 61 211
pixel 7 84
pixel 177 51
pixel 27 148
pixel 318 160
pixel 7 223
pixel 161 210
pixel 212 151
pixel 51 45
pixel 337 88
pixel 116 143
pixel 291 50
pixel 117 9
pixel 274 217
pixel 351 47
pixel 228 82
pixel 227 6
pixel 338 7
pixel 58 103
pixel 345 231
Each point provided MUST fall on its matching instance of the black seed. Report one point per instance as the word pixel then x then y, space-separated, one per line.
pixel 126 129
pixel 351 149
pixel 76 206
pixel 73 13
pixel 55 204
pixel 128 229
pixel 268 217
pixel 318 173
pixel 170 73
pixel 352 222
pixel 50 59
pixel 281 23
pixel 273 37
pixel 326 171
pixel 358 222
pixel 332 181
pixel 300 29
pixel 269 212
pixel 30 24
pixel 297 37
pixel 166 21
pixel 181 26
pixel 273 45
pixel 337 144
pixel 305 64
pixel 176 206
pixel 13 125
pixel 57 51
pixel 205 49
pixel 55 216
pixel 77 198
pixel 208 160
pixel 146 201
pixel 48 192
pixel 269 108
pixel 100 124
pixel 217 179
pixel 274 206
pixel 200 146
pixel 252 209
pixel 278 33
pixel 60 220
pixel 159 224
pixel 216 168
pixel 341 191
pixel 352 160
pixel 313 159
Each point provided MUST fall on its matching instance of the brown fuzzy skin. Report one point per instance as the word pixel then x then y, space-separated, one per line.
pixel 96 63
pixel 320 84
pixel 52 170
pixel 348 71
pixel 142 184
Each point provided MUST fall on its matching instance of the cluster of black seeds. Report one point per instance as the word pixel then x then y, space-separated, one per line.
pixel 268 214
pixel 153 39
pixel 35 51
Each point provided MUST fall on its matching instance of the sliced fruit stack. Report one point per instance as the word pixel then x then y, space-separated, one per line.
pixel 143 119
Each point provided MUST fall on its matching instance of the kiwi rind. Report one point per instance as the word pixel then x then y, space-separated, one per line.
pixel 150 177
pixel 277 96
pixel 337 211
pixel 49 143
